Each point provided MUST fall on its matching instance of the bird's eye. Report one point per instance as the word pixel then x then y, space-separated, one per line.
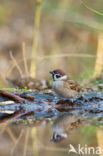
pixel 58 76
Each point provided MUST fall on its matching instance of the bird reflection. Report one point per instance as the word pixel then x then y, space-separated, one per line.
pixel 63 126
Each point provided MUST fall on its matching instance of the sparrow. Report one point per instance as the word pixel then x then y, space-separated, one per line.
pixel 63 126
pixel 65 86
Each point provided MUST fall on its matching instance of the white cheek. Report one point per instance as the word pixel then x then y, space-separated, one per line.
pixel 64 77
pixel 55 78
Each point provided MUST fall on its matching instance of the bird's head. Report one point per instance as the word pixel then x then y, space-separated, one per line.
pixel 58 137
pixel 58 75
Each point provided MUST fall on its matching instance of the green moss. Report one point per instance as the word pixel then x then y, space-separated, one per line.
pixel 9 89
pixel 25 89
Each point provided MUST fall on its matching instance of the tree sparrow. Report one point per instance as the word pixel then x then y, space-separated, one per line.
pixel 63 126
pixel 64 86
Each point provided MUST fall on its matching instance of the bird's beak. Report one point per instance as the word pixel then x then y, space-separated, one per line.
pixel 51 72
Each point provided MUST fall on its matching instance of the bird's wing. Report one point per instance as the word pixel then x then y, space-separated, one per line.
pixel 71 84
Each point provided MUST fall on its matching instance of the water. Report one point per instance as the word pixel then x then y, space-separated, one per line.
pixel 80 119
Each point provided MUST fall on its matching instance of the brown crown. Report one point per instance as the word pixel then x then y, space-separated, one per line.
pixel 60 71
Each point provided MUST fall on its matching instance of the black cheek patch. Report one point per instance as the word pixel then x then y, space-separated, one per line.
pixel 58 76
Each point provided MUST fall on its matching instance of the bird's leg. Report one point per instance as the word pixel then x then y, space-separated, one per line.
pixel 72 100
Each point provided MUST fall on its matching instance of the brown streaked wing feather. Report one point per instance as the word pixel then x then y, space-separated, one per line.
pixel 71 84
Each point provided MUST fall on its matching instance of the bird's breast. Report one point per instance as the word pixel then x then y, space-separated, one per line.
pixel 58 87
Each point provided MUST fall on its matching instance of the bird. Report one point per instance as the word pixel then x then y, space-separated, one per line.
pixel 64 125
pixel 64 86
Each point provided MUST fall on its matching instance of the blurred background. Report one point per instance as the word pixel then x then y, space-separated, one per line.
pixel 37 36
pixel 53 34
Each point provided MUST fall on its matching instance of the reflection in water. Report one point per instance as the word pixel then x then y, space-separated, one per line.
pixel 32 138
pixel 63 125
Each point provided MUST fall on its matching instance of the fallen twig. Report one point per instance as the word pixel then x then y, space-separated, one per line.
pixel 28 114
pixel 14 115
pixel 12 96
pixel 27 96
